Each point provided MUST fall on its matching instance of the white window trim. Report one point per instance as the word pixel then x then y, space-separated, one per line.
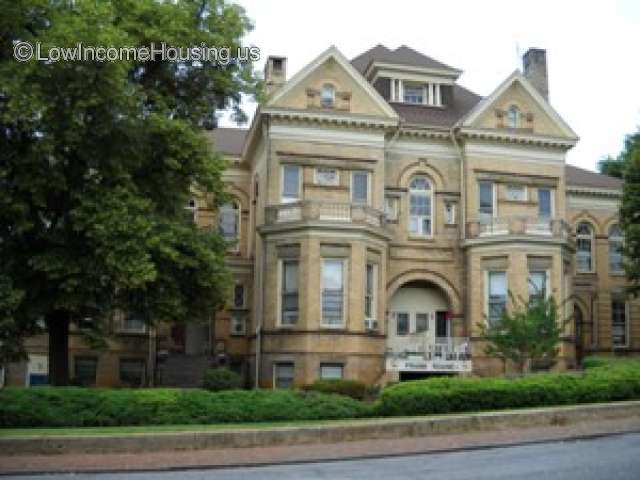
pixel 627 327
pixel 241 315
pixel 284 199
pixel 345 292
pixel 274 375
pixel 374 295
pixel 494 197
pixel 593 249
pixel 331 364
pixel 552 203
pixel 395 323
pixel 486 291
pixel 430 193
pixel 281 262
pixel 317 182
pixel 619 239
pixel 368 174
pixel 236 246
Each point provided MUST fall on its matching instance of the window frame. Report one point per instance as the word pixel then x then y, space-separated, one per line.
pixel 422 96
pixel 343 263
pixel 429 194
pixel 94 359
pixel 450 213
pixel 286 198
pixel 591 239
pixel 124 328
pixel 626 323
pixel 488 302
pixel 243 304
pixel 494 203
pixel 397 322
pixel 238 318
pixel 611 240
pixel 328 102
pixel 371 298
pixel 545 284
pixel 237 213
pixel 424 316
pixel 324 365
pixel 551 203
pixel 281 290
pixel 514 117
pixel 275 377
pixel 367 174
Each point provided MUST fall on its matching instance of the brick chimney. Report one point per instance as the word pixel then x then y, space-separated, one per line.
pixel 534 63
pixel 275 73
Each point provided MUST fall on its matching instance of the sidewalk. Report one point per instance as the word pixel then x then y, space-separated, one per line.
pixel 219 457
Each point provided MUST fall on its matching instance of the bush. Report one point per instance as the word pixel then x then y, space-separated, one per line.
pixel 350 388
pixel 610 381
pixel 219 379
pixel 82 407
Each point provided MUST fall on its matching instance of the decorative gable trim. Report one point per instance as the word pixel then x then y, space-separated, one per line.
pixel 517 76
pixel 333 52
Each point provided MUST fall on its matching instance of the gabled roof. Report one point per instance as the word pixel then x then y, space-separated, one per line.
pixel 333 52
pixel 518 77
pixel 400 56
pixel 229 141
pixel 579 177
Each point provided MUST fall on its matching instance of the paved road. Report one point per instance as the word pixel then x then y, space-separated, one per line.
pixel 610 458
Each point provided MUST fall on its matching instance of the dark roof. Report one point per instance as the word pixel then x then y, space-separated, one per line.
pixel 400 56
pixel 463 101
pixel 579 177
pixel 228 140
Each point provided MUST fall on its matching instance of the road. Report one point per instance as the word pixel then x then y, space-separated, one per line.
pixel 609 458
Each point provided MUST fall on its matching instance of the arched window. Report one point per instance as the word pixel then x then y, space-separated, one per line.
pixel 584 247
pixel 420 207
pixel 229 224
pixel 615 249
pixel 327 96
pixel 513 117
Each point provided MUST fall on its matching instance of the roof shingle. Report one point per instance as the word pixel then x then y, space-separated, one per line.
pixel 579 177
pixel 400 56
pixel 227 140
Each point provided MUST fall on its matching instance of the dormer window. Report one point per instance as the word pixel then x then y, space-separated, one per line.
pixel 513 117
pixel 327 96
pixel 413 93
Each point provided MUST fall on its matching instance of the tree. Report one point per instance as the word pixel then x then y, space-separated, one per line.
pixel 528 333
pixel 98 160
pixel 630 218
pixel 615 167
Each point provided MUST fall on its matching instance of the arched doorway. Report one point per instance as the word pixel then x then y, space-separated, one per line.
pixel 420 339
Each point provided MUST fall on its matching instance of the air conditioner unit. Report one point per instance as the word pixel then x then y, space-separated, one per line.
pixel 370 325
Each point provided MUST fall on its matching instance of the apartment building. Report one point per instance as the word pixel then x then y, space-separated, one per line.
pixel 381 212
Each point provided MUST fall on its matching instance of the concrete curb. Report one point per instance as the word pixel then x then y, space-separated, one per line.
pixel 358 430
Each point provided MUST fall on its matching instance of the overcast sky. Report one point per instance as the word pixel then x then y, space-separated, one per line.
pixel 593 49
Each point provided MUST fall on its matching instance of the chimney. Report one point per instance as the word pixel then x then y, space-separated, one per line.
pixel 535 70
pixel 275 73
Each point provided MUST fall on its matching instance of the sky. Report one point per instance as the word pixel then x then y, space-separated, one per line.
pixel 593 49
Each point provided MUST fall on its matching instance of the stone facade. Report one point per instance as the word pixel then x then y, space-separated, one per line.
pixel 382 212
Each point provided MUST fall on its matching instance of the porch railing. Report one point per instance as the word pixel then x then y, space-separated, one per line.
pixel 518 225
pixel 325 212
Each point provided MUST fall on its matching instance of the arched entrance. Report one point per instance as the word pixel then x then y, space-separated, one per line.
pixel 420 339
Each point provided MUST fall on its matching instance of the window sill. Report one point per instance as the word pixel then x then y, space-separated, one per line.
pixel 421 237
pixel 236 334
pixel 333 327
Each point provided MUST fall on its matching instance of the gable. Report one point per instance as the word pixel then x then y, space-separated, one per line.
pixel 536 114
pixel 353 93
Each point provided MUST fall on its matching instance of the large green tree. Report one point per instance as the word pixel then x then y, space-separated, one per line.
pixel 630 217
pixel 615 166
pixel 98 160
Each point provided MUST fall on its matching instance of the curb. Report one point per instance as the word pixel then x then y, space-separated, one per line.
pixel 281 436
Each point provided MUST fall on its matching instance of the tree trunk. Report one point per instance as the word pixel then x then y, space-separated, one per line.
pixel 58 327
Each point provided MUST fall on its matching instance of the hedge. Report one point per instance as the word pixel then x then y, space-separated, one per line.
pixel 79 407
pixel 219 379
pixel 350 388
pixel 603 381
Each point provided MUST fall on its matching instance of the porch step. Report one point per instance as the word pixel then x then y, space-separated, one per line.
pixel 182 371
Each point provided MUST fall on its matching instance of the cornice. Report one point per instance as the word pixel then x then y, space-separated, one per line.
pixel 514 137
pixel 330 118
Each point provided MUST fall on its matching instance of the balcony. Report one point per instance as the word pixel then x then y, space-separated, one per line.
pixel 447 354
pixel 516 225
pixel 324 212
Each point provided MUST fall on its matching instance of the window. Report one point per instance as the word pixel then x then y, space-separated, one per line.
pixel 229 224
pixel 133 322
pixel 327 176
pixel 132 372
pixel 422 322
pixel 544 203
pixel 192 209
pixel 615 249
pixel 486 198
pixel 413 93
pixel 420 207
pixel 450 213
pixel 619 322
pixel 85 323
pixel 331 371
pixel 370 292
pixel 238 323
pixel 584 248
pixel 332 292
pixel 391 208
pixel 290 183
pixel 402 324
pixel 283 374
pixel 360 187
pixel 496 295
pixel 537 286
pixel 327 96
pixel 289 292
pixel 513 117
pixel 85 370
pixel 516 193
pixel 277 65
pixel 238 296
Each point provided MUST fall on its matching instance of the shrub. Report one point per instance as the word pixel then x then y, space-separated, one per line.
pixel 80 407
pixel 219 379
pixel 350 388
pixel 611 381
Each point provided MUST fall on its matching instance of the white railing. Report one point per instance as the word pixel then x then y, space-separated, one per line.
pixel 325 212
pixel 340 212
pixel 289 213
pixel 518 225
